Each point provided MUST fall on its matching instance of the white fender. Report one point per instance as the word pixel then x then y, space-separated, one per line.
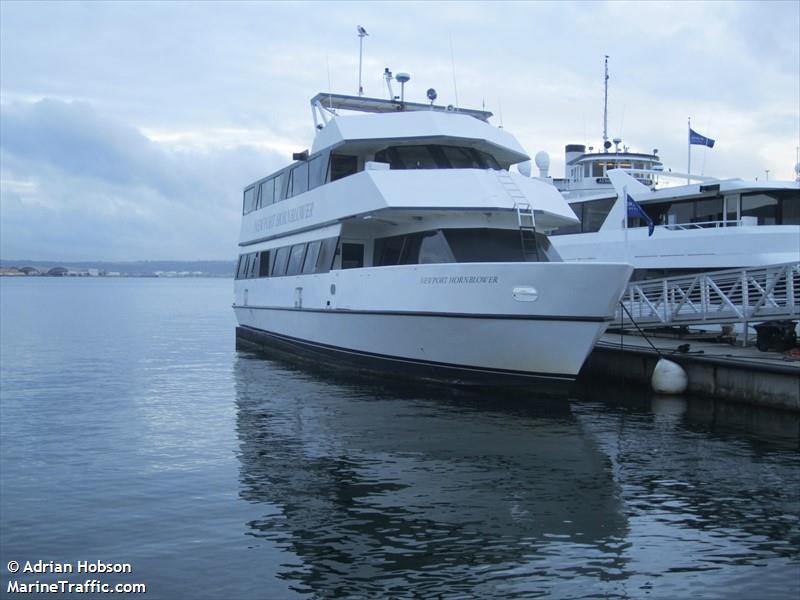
pixel 669 378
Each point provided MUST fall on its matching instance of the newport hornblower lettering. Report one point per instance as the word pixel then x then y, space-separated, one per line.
pixel 298 213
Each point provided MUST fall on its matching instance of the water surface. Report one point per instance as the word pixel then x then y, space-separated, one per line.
pixel 132 431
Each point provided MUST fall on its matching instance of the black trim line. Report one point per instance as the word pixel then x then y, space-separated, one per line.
pixel 448 315
pixel 371 363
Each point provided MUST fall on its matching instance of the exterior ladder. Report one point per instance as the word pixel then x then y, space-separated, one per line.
pixel 525 219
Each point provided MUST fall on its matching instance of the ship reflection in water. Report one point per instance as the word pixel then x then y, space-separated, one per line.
pixel 400 492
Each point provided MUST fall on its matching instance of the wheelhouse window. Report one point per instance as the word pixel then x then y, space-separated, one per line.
pixel 432 156
pixel 342 166
pixel 460 245
pixel 352 256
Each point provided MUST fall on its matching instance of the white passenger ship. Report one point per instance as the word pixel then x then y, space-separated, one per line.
pixel 401 243
pixel 707 225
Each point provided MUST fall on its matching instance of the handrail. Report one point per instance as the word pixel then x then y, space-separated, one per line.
pixel 731 296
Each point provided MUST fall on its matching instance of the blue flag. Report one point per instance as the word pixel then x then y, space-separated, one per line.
pixel 699 140
pixel 635 210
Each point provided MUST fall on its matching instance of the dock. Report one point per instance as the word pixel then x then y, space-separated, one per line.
pixel 718 370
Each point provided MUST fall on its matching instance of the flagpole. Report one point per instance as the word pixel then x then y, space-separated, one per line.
pixel 689 165
pixel 625 200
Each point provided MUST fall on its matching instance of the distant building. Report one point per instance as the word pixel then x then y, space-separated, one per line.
pixel 31 271
pixel 58 272
pixel 11 272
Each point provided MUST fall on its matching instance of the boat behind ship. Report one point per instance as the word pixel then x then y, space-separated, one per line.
pixel 402 243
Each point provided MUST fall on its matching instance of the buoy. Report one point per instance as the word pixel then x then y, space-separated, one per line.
pixel 669 378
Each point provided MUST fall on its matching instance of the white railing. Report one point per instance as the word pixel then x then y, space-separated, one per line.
pixel 732 296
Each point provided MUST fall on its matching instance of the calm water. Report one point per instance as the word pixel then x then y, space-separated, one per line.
pixel 131 431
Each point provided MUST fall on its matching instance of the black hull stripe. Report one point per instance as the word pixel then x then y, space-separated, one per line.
pixel 432 370
pixel 449 315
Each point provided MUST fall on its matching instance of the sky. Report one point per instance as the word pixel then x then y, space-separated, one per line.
pixel 128 129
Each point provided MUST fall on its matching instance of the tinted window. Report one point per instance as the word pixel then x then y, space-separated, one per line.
pixel 461 158
pixel 281 258
pixel 416 157
pixel 763 206
pixel 434 249
pixel 240 270
pixel 485 245
pixel 249 198
pixel 264 264
pixel 296 259
pixel 327 252
pixel 595 213
pixel 352 256
pixel 790 208
pixel 317 170
pixel 299 179
pixel 342 166
pixel 267 192
pixel 253 266
pixel 310 263
pixel 279 191
pixel 708 210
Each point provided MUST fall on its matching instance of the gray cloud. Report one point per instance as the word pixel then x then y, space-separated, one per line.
pixel 129 129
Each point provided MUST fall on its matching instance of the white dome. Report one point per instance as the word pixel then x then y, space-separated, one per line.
pixel 542 159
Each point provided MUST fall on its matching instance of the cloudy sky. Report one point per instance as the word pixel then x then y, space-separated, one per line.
pixel 129 129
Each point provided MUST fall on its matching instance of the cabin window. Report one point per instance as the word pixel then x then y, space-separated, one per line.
pixel 708 210
pixel 310 263
pixel 597 169
pixel 267 192
pixel 281 258
pixel 587 169
pixel 476 245
pixel 342 166
pixel 434 248
pixel 296 259
pixel 790 209
pixel 264 263
pixel 595 213
pixel 762 206
pixel 577 208
pixel 327 252
pixel 252 267
pixel 249 198
pixel 298 180
pixel 240 269
pixel 279 187
pixel 352 256
pixel 317 170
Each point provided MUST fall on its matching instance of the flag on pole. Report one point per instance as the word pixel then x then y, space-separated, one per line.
pixel 636 210
pixel 699 140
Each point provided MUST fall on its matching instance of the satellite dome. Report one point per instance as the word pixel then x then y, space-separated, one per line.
pixel 524 168
pixel 542 160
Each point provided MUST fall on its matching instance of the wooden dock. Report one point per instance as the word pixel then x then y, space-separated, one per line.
pixel 714 369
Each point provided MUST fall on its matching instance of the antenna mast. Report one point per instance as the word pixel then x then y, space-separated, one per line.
pixel 361 33
pixel 606 145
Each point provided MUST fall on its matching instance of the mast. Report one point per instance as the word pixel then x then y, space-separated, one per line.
pixel 606 144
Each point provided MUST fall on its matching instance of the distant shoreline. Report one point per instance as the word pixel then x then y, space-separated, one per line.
pixel 144 268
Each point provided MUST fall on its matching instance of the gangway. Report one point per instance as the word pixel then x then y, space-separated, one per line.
pixel 745 296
